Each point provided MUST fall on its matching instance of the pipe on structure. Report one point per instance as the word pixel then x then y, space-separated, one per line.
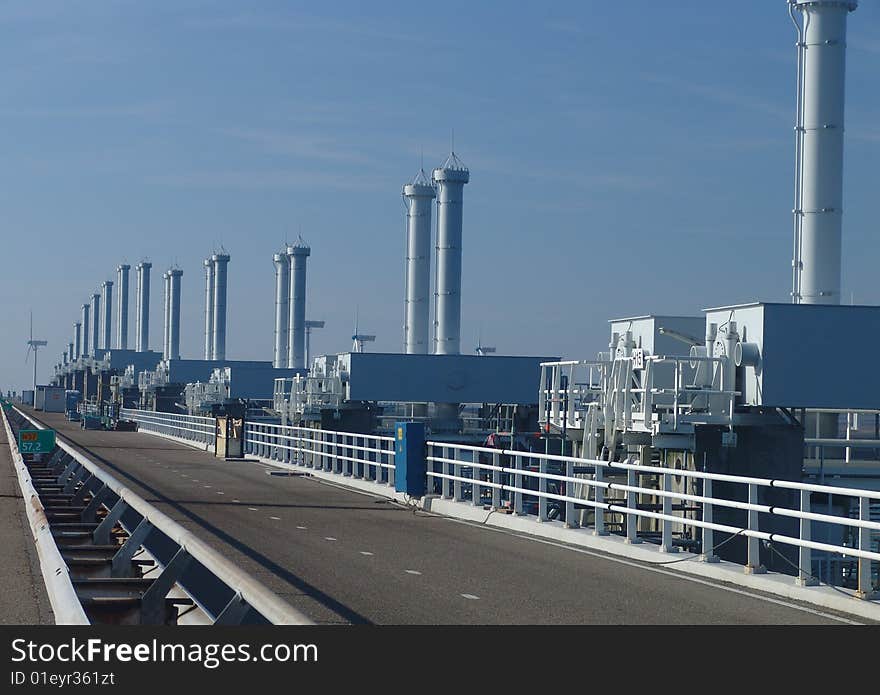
pixel 174 276
pixel 209 307
pixel 282 289
pixel 70 355
pixel 819 152
pixel 122 306
pixel 297 254
pixel 107 316
pixel 96 323
pixel 218 346
pixel 417 198
pixel 450 179
pixel 142 328
pixel 77 339
pixel 84 342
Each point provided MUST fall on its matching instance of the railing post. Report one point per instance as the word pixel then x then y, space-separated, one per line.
pixel 347 464
pixel 517 482
pixel 753 564
pixel 570 521
pixel 805 556
pixel 865 590
pixel 708 554
pixel 632 521
pixel 445 487
pixel 392 472
pixel 666 545
pixel 334 462
pixel 456 471
pixel 542 489
pixel 496 478
pixel 476 474
pixel 599 498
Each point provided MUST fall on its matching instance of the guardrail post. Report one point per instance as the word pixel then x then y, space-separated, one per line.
pixel 570 521
pixel 599 497
pixel 445 487
pixel 456 471
pixel 805 556
pixel 346 463
pixel 334 461
pixel 753 564
pixel 120 566
pixel 392 472
pixel 542 490
pixel 153 600
pixel 865 590
pixel 708 554
pixel 476 474
pixel 632 521
pixel 496 478
pixel 517 483
pixel 101 535
pixel 666 545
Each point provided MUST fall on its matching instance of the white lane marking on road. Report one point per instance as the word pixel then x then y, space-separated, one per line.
pixel 302 528
pixel 220 492
pixel 253 509
pixel 237 501
pixel 470 597
pixel 412 571
pixel 365 552
pixel 668 573
pixel 276 518
pixel 329 538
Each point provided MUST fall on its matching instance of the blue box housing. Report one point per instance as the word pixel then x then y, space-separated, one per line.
pixel 410 466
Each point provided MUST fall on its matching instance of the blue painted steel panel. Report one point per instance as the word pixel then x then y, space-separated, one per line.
pixel 410 465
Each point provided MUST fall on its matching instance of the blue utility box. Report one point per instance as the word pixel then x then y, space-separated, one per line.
pixel 410 466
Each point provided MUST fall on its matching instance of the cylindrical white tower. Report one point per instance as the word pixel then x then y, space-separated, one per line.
pixel 107 316
pixel 450 179
pixel 296 349
pixel 84 342
pixel 96 323
pixel 142 331
pixel 166 313
pixel 122 306
pixel 174 276
pixel 417 197
pixel 77 339
pixel 209 307
pixel 218 347
pixel 70 352
pixel 282 288
pixel 819 154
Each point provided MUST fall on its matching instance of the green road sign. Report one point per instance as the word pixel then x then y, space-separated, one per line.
pixel 36 441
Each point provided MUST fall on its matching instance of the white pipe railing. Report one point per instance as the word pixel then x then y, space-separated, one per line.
pixel 192 428
pixel 460 466
pixel 366 456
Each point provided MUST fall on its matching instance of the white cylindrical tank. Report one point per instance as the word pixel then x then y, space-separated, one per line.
pixel 96 323
pixel 174 276
pixel 142 337
pixel 70 352
pixel 819 158
pixel 450 179
pixel 77 339
pixel 166 313
pixel 218 347
pixel 418 197
pixel 282 288
pixel 107 315
pixel 209 308
pixel 296 348
pixel 122 306
pixel 84 342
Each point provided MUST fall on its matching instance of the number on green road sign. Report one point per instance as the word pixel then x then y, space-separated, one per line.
pixel 36 441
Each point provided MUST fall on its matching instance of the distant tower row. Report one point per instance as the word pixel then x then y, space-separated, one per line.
pixel 290 306
pixel 449 179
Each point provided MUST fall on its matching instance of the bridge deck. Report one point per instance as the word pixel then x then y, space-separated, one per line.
pixel 341 556
pixel 23 599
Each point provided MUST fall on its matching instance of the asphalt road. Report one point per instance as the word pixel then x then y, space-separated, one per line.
pixel 345 557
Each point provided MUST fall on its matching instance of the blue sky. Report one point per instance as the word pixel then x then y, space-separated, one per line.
pixel 625 158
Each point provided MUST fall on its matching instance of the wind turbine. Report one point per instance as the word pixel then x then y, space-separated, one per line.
pixel 33 345
pixel 359 338
pixel 483 349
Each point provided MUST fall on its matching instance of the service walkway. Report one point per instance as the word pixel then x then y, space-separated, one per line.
pixel 343 557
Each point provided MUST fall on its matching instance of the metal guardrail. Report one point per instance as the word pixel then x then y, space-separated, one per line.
pixel 226 593
pixel 366 456
pixel 461 467
pixel 192 428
